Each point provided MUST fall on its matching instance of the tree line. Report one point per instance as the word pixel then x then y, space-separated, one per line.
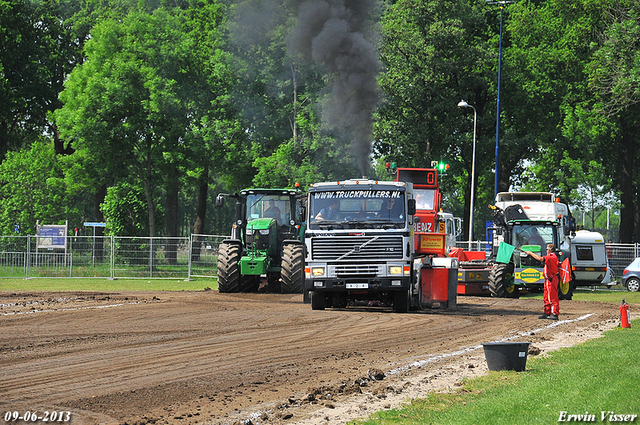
pixel 138 113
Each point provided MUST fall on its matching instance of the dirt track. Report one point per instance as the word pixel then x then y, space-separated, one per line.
pixel 209 358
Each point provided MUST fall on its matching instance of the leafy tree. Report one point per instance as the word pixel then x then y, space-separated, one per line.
pixel 38 49
pixel 587 184
pixel 32 188
pixel 128 104
pixel 435 54
pixel 126 206
pixel 614 76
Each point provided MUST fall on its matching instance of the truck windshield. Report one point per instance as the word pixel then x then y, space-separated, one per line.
pixel 357 209
pixel 425 199
pixel 272 206
pixel 534 234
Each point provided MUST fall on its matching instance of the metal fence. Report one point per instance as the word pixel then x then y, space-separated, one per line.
pixel 116 257
pixel 111 257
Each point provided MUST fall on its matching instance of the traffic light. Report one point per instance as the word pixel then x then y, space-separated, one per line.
pixel 391 167
pixel 442 167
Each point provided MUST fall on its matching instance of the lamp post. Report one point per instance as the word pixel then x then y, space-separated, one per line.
pixel 463 104
pixel 502 4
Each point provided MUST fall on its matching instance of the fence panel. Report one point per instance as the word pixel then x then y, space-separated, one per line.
pixel 151 257
pixel 204 255
pixel 91 256
pixel 620 256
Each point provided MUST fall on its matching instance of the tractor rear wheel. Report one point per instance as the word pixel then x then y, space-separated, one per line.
pixel 228 268
pixel 501 281
pixel 565 290
pixel 292 272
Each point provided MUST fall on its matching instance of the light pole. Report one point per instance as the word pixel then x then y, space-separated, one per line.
pixel 502 5
pixel 464 104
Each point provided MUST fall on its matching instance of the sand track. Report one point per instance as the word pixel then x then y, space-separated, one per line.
pixel 209 358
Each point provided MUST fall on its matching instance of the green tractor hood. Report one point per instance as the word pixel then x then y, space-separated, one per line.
pixel 261 243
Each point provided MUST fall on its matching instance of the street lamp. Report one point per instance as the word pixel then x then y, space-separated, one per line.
pixel 502 4
pixel 463 104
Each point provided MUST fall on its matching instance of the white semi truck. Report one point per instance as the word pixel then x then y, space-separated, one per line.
pixel 360 246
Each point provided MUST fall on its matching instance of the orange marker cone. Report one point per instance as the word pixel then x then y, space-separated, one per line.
pixel 624 315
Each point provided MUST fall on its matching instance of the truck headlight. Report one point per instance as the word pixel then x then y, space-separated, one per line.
pixel 249 232
pixel 395 270
pixel 317 271
pixel 264 231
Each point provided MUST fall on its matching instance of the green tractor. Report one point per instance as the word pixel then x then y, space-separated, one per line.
pixel 266 240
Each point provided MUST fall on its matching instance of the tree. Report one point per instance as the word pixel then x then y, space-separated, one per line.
pixel 38 49
pixel 127 107
pixel 614 76
pixel 436 53
pixel 32 188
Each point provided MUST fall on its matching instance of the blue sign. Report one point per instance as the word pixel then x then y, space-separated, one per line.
pixel 95 224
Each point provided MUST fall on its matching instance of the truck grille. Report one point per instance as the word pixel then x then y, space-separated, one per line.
pixel 369 248
pixel 357 270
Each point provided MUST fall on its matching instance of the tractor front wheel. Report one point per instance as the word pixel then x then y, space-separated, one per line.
pixel 228 268
pixel 292 272
pixel 501 281
pixel 249 283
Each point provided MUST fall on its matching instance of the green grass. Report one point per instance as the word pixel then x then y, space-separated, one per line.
pixel 106 285
pixel 597 376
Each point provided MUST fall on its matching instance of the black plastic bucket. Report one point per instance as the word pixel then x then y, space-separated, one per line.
pixel 506 355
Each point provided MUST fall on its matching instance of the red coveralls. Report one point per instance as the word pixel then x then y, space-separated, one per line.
pixel 551 301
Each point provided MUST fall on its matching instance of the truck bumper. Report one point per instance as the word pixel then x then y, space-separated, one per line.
pixel 376 284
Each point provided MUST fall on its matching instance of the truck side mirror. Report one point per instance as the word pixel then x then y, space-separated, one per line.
pixel 411 206
pixel 219 201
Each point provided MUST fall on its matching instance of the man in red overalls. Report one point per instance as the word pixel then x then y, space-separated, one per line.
pixel 551 300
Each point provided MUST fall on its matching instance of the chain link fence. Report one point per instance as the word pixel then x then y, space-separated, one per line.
pixel 111 257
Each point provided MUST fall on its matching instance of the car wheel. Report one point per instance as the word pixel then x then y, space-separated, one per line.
pixel 633 284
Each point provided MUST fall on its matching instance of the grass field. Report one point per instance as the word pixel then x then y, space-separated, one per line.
pixel 106 285
pixel 595 378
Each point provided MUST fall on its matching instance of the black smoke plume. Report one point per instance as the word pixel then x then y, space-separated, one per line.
pixel 338 34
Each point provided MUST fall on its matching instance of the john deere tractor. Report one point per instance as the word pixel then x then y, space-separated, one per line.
pixel 266 240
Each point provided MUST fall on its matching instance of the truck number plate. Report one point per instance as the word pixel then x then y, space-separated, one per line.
pixel 357 285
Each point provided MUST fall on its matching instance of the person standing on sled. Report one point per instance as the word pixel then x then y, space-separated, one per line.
pixel 551 300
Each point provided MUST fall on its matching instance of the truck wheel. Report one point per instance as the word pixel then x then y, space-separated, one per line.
pixel 228 268
pixel 501 280
pixel 292 269
pixel 317 300
pixel 249 283
pixel 633 285
pixel 401 301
